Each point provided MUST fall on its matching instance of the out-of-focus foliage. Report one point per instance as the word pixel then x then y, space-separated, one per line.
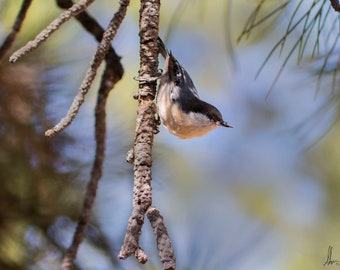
pixel 312 32
pixel 326 157
pixel 37 184
pixel 41 194
pixel 38 15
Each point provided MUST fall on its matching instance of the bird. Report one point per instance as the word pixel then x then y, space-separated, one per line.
pixel 179 106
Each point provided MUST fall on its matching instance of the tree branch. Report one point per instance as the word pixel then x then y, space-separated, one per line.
pixel 91 72
pixel 164 246
pixel 94 28
pixel 109 78
pixel 50 29
pixel 112 74
pixel 145 123
pixel 15 28
pixel 146 126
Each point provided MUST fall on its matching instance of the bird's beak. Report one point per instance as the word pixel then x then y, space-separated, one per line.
pixel 225 124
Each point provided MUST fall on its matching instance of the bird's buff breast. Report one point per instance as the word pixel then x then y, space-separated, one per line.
pixel 182 125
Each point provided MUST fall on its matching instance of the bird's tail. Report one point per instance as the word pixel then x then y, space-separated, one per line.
pixel 162 48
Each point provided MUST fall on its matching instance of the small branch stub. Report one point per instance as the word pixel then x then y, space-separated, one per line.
pixel 141 256
pixel 164 246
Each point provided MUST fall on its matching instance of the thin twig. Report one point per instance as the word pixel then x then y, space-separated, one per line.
pixel 91 72
pixel 108 80
pixel 50 29
pixel 93 27
pixel 327 56
pixel 252 19
pixel 314 19
pixel 15 28
pixel 299 41
pixel 112 74
pixel 295 12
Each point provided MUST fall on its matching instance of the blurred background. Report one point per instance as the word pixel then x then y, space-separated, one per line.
pixel 263 195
